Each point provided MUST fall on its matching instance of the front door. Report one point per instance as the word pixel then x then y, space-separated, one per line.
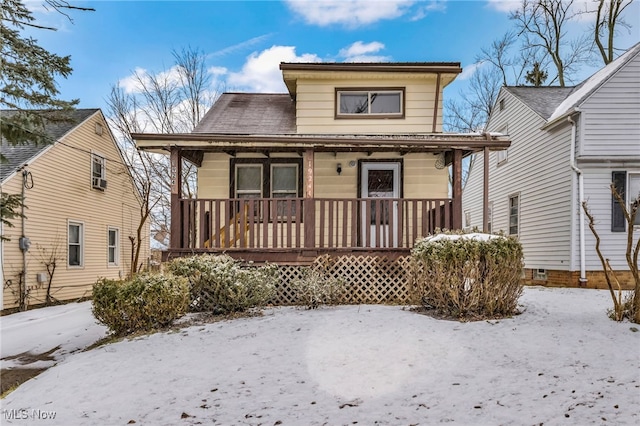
pixel 379 218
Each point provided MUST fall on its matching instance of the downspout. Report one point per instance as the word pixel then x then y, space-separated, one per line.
pixel 574 167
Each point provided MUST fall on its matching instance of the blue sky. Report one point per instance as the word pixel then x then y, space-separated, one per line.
pixel 246 40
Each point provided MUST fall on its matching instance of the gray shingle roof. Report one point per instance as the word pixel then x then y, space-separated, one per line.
pixel 250 113
pixel 18 155
pixel 543 100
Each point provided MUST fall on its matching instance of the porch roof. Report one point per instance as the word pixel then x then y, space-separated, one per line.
pixel 223 142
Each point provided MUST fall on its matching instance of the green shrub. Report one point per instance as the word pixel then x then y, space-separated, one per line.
pixel 221 284
pixel 467 275
pixel 315 289
pixel 145 302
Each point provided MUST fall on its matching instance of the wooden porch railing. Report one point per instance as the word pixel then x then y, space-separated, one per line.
pixel 311 223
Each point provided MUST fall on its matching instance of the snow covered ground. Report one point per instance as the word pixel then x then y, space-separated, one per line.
pixel 562 361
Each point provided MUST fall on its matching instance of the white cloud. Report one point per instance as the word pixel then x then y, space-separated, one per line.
pixel 469 70
pixel 140 77
pixel 350 13
pixel 362 52
pixel 506 6
pixel 261 72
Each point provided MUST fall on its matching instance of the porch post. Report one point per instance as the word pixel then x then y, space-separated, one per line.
pixel 176 192
pixel 485 193
pixel 309 204
pixel 456 222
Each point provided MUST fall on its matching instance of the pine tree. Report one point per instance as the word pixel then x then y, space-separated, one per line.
pixel 536 76
pixel 27 78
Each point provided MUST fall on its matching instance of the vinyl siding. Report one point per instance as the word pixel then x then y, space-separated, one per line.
pixel 62 192
pixel 611 115
pixel 597 179
pixel 315 107
pixel 421 178
pixel 538 170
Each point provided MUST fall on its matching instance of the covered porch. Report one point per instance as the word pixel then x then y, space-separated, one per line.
pixel 297 229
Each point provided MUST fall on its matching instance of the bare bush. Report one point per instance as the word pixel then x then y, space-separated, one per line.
pixel 467 276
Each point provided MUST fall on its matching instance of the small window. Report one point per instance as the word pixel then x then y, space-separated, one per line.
pixel 514 214
pixel 359 103
pixel 634 194
pixel 501 104
pixel 489 217
pixel 540 274
pixel 248 181
pixel 75 243
pixel 113 246
pixel 502 156
pixel 284 184
pixel 98 172
pixel 467 219
pixel 98 129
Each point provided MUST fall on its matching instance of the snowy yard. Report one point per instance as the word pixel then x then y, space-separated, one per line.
pixel 562 361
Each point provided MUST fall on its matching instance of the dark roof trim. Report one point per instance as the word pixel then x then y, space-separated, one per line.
pixel 438 142
pixel 409 67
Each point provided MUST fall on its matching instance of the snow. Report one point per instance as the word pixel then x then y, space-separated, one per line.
pixel 593 82
pixel 562 361
pixel 454 237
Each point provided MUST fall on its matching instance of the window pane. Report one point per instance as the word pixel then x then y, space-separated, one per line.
pixel 112 255
pixel 284 178
pixel 380 183
pixel 634 194
pixel 98 163
pixel 353 103
pixel 385 103
pixel 74 234
pixel 74 255
pixel 112 237
pixel 249 178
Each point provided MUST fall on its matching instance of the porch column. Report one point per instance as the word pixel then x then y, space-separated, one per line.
pixel 485 193
pixel 176 193
pixel 309 204
pixel 456 222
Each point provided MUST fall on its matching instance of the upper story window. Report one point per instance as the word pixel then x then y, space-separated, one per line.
pixel 98 172
pixel 514 214
pixel 370 103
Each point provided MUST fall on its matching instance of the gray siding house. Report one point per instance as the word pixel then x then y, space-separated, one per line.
pixel 568 144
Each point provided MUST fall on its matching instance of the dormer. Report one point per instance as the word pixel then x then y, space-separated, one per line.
pixel 368 98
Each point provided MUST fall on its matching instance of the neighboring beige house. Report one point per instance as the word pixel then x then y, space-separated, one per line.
pixel 81 208
pixel 568 145
pixel 352 160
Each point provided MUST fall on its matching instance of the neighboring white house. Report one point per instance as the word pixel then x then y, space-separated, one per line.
pixel 568 144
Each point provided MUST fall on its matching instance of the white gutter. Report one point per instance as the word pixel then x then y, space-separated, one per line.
pixel 583 276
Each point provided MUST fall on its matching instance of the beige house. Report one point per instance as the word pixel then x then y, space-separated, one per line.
pixel 81 208
pixel 351 160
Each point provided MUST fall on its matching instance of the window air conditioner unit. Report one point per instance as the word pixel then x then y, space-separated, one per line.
pixel 100 183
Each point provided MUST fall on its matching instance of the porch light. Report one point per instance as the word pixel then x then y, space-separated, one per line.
pixel 339 168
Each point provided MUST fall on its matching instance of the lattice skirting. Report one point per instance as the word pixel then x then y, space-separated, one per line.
pixel 368 279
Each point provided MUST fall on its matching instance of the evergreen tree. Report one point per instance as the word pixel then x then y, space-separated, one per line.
pixel 27 78
pixel 536 76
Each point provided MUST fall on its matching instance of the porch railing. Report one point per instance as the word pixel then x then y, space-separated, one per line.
pixel 308 223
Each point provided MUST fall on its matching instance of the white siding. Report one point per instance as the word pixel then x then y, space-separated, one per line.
pixel 611 115
pixel 597 179
pixel 538 170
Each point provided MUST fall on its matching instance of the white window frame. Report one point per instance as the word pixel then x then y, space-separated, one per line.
pixel 635 176
pixel 503 155
pixel 98 158
pixel 369 91
pixel 517 215
pixel 115 247
pixel 80 243
pixel 489 217
pixel 240 192
pixel 276 194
